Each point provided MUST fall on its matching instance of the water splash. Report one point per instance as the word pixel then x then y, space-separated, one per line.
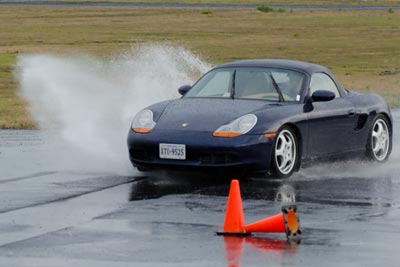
pixel 360 168
pixel 90 101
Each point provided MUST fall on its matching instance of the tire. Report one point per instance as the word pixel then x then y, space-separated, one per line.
pixel 285 153
pixel 379 144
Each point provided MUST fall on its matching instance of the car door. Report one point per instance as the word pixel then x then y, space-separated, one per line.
pixel 330 122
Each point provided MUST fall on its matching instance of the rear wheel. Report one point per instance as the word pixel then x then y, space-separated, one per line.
pixel 379 143
pixel 285 153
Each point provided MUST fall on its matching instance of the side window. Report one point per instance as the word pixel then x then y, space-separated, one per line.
pixel 321 81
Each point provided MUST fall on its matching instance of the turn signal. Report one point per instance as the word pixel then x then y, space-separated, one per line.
pixel 270 135
pixel 226 134
pixel 141 130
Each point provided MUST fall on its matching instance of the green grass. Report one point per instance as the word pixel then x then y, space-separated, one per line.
pixel 358 46
pixel 206 12
pixel 264 8
pixel 12 109
pixel 265 2
pixel 7 62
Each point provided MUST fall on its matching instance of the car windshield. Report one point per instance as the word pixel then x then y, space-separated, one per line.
pixel 250 83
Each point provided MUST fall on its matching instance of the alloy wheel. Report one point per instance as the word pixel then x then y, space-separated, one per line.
pixel 285 152
pixel 380 139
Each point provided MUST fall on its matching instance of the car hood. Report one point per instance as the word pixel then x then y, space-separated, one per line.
pixel 206 114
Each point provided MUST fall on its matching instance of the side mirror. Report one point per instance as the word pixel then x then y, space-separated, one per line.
pixel 322 95
pixel 184 89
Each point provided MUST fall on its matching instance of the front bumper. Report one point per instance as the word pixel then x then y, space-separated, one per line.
pixel 246 153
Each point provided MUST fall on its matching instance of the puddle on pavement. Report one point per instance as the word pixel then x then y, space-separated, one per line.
pixel 346 191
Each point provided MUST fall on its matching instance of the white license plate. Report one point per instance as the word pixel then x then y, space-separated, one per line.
pixel 172 151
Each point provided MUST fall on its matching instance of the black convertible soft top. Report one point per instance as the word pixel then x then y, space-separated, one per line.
pixel 310 68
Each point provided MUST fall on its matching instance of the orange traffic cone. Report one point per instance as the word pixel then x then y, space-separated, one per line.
pixel 284 222
pixel 234 217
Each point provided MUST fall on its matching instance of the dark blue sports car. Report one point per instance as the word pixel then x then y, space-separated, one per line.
pixel 268 116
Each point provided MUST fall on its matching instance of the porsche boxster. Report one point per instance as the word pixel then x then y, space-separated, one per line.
pixel 266 116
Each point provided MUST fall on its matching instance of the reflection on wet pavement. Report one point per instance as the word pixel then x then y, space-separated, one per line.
pixel 268 247
pixel 154 187
pixel 334 191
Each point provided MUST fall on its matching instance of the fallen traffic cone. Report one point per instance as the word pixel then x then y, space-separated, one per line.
pixel 284 222
pixel 234 217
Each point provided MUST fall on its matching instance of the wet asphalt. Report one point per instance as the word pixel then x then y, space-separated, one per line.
pixel 63 210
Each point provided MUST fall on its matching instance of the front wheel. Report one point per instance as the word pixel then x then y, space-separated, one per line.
pixel 285 153
pixel 379 143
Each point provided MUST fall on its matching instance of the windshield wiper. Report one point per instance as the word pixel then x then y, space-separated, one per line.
pixel 281 99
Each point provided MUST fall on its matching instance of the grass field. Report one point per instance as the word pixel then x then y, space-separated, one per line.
pixel 265 2
pixel 362 48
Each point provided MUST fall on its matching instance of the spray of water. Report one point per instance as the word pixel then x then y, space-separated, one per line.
pixel 362 169
pixel 90 102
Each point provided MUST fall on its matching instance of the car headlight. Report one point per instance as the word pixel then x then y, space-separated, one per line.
pixel 237 127
pixel 143 121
